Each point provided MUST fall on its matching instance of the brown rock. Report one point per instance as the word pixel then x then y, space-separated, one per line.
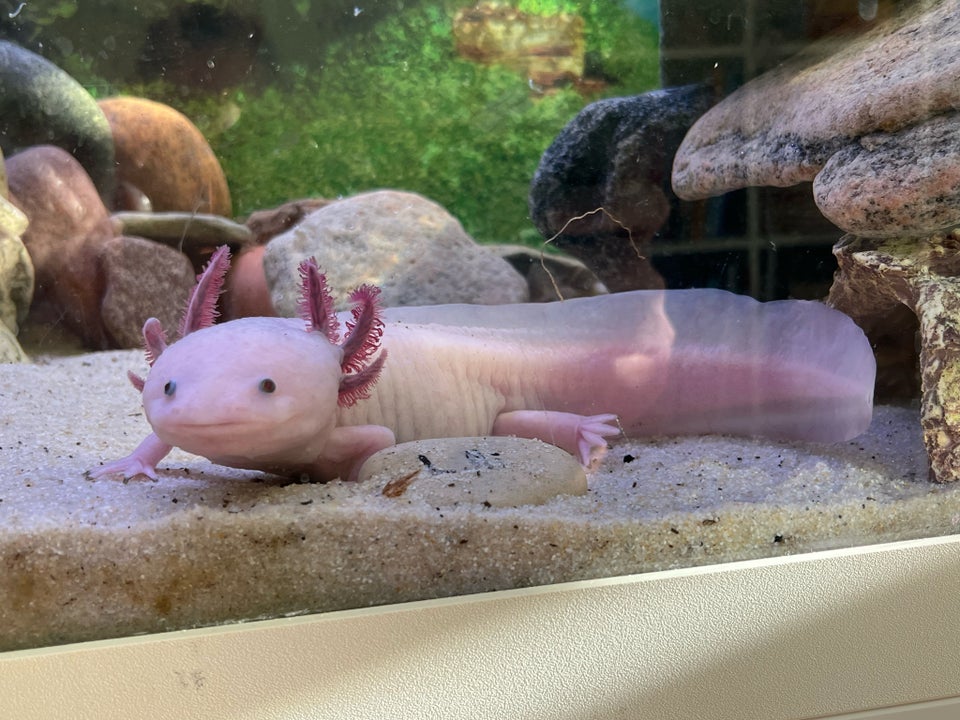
pixel 67 222
pixel 266 224
pixel 781 128
pixel 247 294
pixel 877 276
pixel 163 155
pixel 141 279
pixel 549 50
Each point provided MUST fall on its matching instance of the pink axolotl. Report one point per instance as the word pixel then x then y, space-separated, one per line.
pixel 289 395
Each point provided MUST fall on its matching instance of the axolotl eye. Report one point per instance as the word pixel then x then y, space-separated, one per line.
pixel 267 386
pixel 170 388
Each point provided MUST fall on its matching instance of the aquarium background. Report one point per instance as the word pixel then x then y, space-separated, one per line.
pixel 315 98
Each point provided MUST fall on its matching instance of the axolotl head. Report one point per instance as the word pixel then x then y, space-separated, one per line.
pixel 261 389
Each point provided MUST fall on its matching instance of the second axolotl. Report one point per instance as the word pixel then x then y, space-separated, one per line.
pixel 294 396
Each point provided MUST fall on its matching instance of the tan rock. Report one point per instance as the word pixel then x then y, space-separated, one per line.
pixel 895 183
pixel 781 128
pixel 488 471
pixel 10 350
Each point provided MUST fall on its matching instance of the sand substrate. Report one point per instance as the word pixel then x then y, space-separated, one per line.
pixel 86 559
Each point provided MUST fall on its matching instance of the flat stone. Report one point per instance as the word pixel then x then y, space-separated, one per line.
pixel 878 275
pixel 550 276
pixel 409 246
pixel 895 183
pixel 782 127
pixel 487 471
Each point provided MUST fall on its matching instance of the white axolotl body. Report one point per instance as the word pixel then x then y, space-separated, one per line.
pixel 281 396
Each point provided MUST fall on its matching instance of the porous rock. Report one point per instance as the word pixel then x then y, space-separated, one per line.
pixel 602 189
pixel 16 269
pixel 487 471
pixel 782 127
pixel 162 156
pixel 889 183
pixel 878 275
pixel 41 104
pixel 10 350
pixel 409 246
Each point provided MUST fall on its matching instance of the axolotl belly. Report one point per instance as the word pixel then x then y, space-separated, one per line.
pixel 292 396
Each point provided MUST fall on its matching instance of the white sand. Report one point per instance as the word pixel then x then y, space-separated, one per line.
pixel 88 559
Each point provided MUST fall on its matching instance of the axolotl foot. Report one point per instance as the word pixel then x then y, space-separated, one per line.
pixel 580 435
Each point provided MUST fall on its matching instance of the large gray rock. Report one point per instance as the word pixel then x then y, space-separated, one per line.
pixel 602 189
pixel 41 104
pixel 413 249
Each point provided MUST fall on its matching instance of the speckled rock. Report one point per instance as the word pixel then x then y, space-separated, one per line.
pixel 876 276
pixel 487 471
pixel 163 155
pixel 41 104
pixel 413 249
pixel 890 183
pixel 781 128
pixel 141 279
pixel 616 154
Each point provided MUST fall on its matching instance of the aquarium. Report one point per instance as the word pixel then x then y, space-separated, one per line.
pixel 314 305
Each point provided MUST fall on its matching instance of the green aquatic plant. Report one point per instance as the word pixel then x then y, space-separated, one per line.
pixel 396 107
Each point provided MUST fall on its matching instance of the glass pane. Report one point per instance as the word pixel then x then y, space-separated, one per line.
pixel 648 285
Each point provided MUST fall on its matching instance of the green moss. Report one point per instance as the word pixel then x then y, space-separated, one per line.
pixel 396 107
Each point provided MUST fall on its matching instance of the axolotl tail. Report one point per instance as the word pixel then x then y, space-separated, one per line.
pixel 685 361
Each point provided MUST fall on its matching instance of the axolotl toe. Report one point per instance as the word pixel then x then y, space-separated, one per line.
pixel 290 395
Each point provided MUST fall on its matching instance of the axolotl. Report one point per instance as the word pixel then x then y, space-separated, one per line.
pixel 297 395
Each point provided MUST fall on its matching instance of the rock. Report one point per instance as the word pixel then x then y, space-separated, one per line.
pixel 100 286
pixel 10 350
pixel 550 276
pixel 602 189
pixel 894 183
pixel 16 268
pixel 547 49
pixel 878 275
pixel 41 104
pixel 267 224
pixel 781 128
pixel 163 155
pixel 16 281
pixel 246 292
pixel 142 279
pixel 413 249
pixel 67 221
pixel 196 235
pixel 488 471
